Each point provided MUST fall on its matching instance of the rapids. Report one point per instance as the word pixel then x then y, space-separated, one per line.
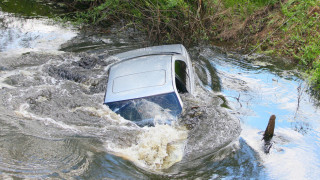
pixel 53 123
pixel 53 81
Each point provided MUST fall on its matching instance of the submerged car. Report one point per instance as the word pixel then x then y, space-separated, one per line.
pixel 144 85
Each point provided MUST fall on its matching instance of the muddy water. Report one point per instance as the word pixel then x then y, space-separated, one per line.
pixel 53 123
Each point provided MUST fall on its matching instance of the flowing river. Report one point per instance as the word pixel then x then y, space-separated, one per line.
pixel 53 124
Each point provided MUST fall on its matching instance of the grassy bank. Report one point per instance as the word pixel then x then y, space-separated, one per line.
pixel 289 28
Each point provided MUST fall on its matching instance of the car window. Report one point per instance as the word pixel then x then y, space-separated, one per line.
pixel 147 108
pixel 182 77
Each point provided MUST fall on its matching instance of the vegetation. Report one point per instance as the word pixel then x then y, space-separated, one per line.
pixel 163 20
pixel 289 28
pixel 28 7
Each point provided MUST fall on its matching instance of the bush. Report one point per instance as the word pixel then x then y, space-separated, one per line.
pixel 282 27
pixel 163 20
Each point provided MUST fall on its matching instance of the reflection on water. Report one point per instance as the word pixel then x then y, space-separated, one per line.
pixel 30 8
pixel 259 89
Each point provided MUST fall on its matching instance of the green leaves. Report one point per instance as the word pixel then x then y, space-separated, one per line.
pixel 285 28
pixel 163 20
pixel 303 27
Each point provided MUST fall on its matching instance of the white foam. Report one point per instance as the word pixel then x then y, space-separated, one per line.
pixel 19 35
pixel 104 112
pixel 290 157
pixel 157 147
pixel 24 113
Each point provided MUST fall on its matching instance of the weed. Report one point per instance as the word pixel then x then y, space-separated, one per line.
pixel 279 27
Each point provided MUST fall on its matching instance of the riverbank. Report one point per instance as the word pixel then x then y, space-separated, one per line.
pixel 279 28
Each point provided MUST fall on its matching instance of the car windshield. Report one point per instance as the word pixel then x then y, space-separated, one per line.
pixel 162 108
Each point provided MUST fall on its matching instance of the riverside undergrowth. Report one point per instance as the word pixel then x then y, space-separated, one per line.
pixel 164 21
pixel 286 28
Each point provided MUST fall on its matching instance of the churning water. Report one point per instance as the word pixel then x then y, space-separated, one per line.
pixel 53 123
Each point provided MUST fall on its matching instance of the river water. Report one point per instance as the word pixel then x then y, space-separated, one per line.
pixel 53 123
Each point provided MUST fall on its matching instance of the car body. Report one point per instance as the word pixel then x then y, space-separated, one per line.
pixel 144 85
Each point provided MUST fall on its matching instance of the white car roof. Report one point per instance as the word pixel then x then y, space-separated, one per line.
pixel 164 49
pixel 140 77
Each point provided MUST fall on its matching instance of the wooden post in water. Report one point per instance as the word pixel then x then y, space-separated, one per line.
pixel 268 133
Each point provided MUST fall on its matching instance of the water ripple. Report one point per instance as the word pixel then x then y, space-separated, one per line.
pixel 33 157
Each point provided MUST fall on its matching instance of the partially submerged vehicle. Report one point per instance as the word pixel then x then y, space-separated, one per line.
pixel 144 85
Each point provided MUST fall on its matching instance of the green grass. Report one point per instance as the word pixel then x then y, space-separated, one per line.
pixel 163 20
pixel 288 28
pixel 294 31
pixel 303 29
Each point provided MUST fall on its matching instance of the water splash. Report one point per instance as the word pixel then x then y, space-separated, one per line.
pixel 20 35
pixel 156 148
pixel 55 99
